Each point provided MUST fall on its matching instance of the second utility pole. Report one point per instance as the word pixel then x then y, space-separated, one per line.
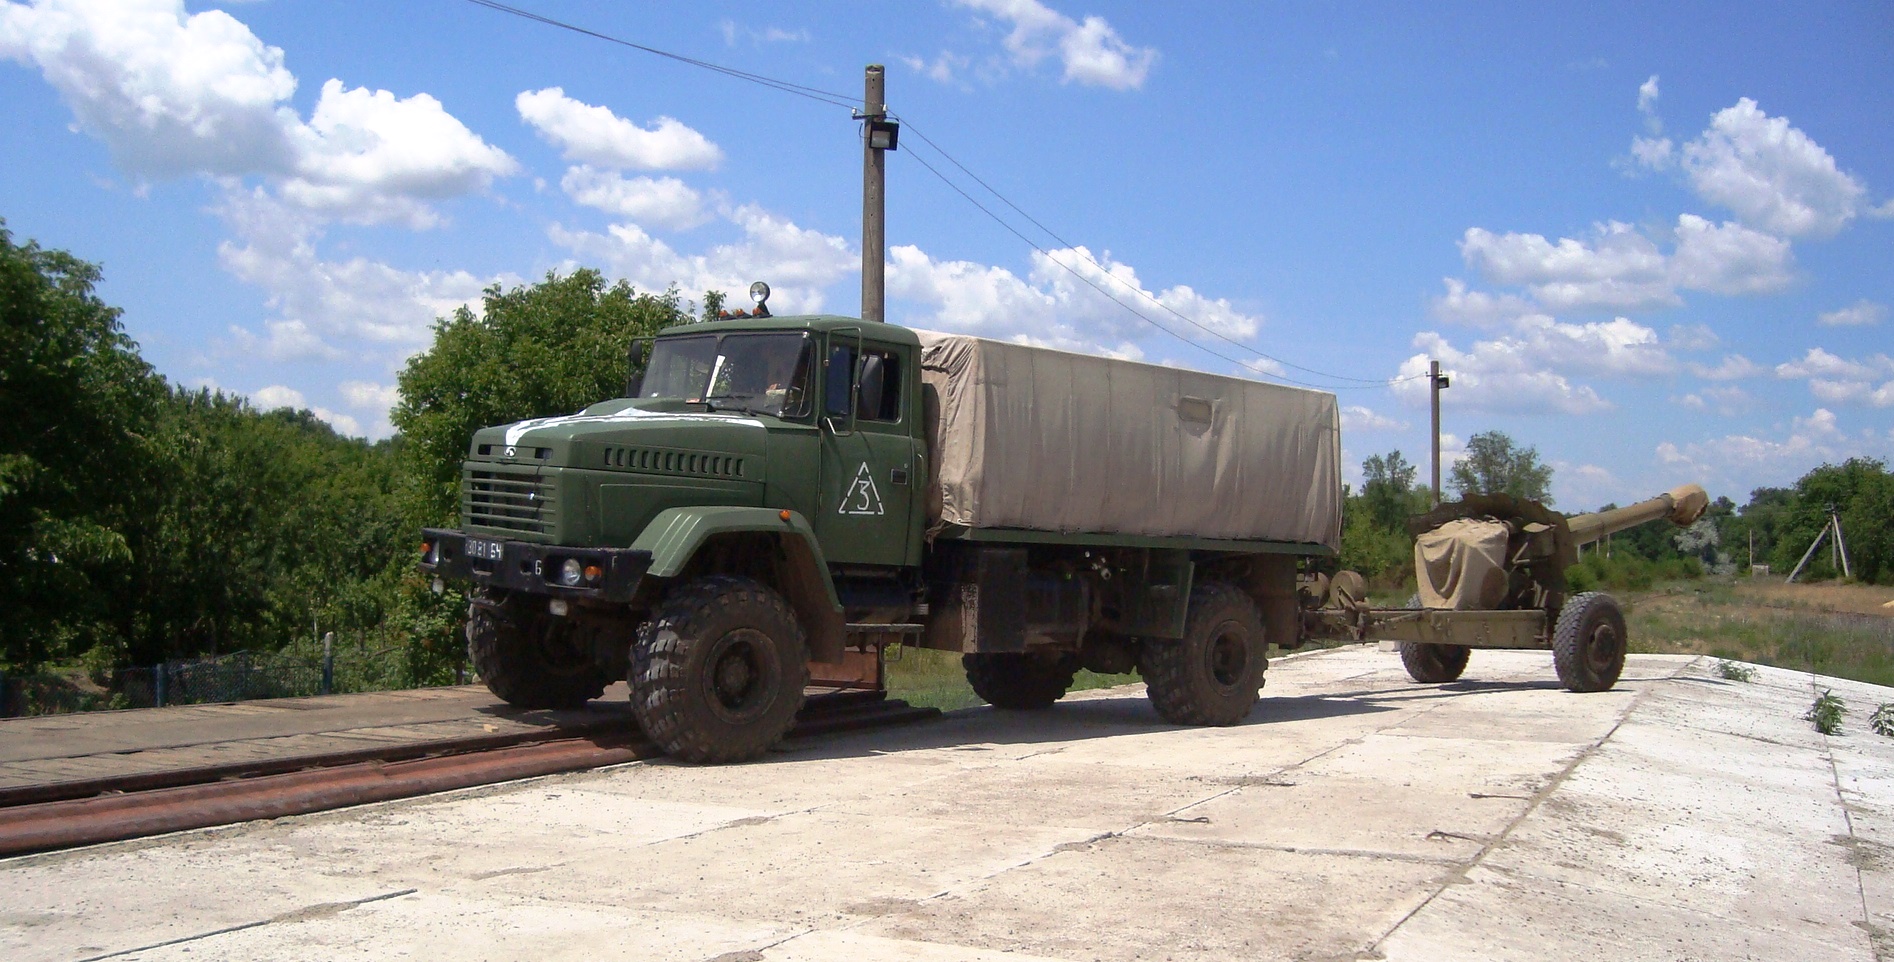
pixel 1435 382
pixel 873 114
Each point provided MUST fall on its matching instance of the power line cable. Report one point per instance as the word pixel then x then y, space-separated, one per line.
pixel 1126 284
pixel 846 102
pixel 1246 365
pixel 813 93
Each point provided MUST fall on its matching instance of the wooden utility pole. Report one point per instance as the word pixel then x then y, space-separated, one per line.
pixel 1435 384
pixel 877 139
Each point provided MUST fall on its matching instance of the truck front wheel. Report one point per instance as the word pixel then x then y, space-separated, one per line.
pixel 1021 681
pixel 717 673
pixel 1210 676
pixel 531 659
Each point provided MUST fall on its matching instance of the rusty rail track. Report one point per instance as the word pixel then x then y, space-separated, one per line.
pixel 44 818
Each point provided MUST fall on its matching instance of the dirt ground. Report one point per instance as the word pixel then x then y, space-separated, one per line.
pixel 1826 596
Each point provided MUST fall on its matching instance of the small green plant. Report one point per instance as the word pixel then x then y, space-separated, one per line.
pixel 1826 712
pixel 1735 670
pixel 1882 721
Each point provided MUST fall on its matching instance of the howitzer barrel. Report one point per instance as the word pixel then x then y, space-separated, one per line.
pixel 1682 505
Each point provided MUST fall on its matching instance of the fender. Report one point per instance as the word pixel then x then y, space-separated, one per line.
pixel 675 535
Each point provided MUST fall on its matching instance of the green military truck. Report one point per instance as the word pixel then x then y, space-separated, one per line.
pixel 776 499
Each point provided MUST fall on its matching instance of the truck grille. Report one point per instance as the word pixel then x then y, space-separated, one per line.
pixel 509 499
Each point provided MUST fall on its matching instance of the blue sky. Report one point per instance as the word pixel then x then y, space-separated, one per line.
pixel 1652 241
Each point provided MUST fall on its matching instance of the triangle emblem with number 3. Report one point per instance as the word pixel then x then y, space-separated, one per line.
pixel 862 497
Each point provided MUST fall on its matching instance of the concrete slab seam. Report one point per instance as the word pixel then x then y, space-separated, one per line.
pixel 1459 875
pixel 312 911
pixel 1854 841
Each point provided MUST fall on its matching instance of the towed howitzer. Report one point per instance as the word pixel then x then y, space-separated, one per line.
pixel 1491 574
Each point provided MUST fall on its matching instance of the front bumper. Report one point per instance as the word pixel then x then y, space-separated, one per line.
pixel 525 566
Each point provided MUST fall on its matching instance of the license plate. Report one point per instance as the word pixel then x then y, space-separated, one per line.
pixel 483 550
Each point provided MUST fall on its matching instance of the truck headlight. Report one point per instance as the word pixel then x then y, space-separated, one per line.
pixel 571 573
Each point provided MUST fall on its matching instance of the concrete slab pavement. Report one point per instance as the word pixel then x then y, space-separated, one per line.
pixel 1356 815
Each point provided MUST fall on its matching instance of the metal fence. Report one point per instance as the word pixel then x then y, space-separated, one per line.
pixel 240 676
pixel 235 677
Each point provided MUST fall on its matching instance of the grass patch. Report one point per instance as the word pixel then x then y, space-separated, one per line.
pixel 1735 671
pixel 934 679
pixel 1709 618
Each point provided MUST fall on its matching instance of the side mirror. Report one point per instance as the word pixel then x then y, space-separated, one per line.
pixel 637 360
pixel 870 383
pixel 839 381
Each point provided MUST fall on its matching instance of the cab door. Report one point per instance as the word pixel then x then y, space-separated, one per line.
pixel 869 463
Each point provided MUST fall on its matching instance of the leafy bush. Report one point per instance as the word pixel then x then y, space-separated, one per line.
pixel 1826 712
pixel 1882 721
pixel 1735 671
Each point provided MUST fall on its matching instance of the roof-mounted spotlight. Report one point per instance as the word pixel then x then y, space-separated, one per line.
pixel 759 292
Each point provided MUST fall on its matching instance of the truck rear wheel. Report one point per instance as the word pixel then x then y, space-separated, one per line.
pixel 531 659
pixel 1434 664
pixel 1212 675
pixel 1588 643
pixel 717 673
pixel 1021 681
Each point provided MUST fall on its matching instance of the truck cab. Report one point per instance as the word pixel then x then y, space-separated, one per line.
pixel 775 456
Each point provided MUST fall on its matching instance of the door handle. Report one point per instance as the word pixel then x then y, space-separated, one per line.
pixel 898 475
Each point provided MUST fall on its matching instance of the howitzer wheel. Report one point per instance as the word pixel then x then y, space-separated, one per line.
pixel 717 673
pixel 1588 643
pixel 1021 681
pixel 1433 664
pixel 529 658
pixel 1212 675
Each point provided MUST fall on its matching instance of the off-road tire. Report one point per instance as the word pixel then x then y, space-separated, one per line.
pixel 1588 642
pixel 529 658
pixel 1212 675
pixel 1433 664
pixel 717 673
pixel 1020 681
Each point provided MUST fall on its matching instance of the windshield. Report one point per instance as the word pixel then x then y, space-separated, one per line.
pixel 757 373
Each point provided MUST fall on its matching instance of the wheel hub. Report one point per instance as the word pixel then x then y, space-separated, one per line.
pixel 738 674
pixel 1228 657
pixel 1604 648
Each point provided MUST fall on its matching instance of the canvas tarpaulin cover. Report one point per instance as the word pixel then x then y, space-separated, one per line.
pixel 1033 438
pixel 1462 564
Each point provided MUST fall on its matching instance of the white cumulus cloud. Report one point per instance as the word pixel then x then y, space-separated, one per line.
pixel 1619 268
pixel 1752 459
pixel 1358 417
pixel 663 201
pixel 798 263
pixel 1499 375
pixel 328 309
pixel 1090 50
pixel 172 93
pixel 1771 174
pixel 1839 380
pixel 1859 314
pixel 1061 302
pixel 168 93
pixel 594 135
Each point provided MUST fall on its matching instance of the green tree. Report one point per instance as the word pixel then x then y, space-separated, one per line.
pixel 1387 489
pixel 1495 464
pixel 1861 493
pixel 74 452
pixel 547 349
